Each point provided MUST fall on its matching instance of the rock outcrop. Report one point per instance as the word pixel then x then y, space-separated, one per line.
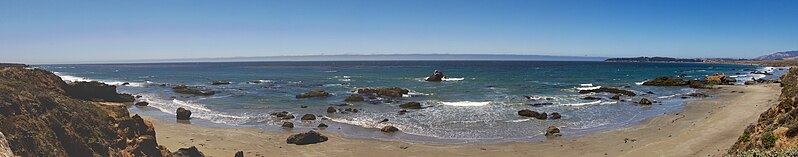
pixel 183 89
pixel 436 76
pixel 96 91
pixel 5 149
pixel 310 137
pixel 667 81
pixel 182 114
pixel 720 79
pixel 411 105
pixel 313 94
pixel 533 114
pixel 220 83
pixel 553 131
pixel 608 90
pixel 38 118
pixel 394 92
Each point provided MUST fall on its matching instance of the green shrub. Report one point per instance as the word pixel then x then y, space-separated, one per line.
pixel 745 137
pixel 769 140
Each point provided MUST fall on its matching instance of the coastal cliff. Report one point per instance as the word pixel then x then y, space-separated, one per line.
pixel 776 130
pixel 41 115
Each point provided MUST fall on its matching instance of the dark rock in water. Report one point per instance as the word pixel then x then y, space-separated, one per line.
pixel 411 105
pixel 353 110
pixel 313 93
pixel 683 75
pixel 402 112
pixel 608 90
pixel 591 98
pixel 342 105
pixel 303 106
pixel 331 109
pixel 310 137
pixel 126 84
pixel 289 116
pixel 383 121
pixel 698 95
pixel 308 117
pixel 644 101
pixel 553 131
pixel 384 92
pixel 533 114
pixel 436 76
pixel 666 81
pixel 616 97
pixel 279 114
pixel 322 125
pixel 219 83
pixel 183 89
pixel 287 125
pixel 95 91
pixel 649 92
pixel 555 115
pixel 188 152
pixel 541 104
pixel 142 103
pixel 389 129
pixel 239 154
pixel 354 98
pixel 183 114
pixel 162 85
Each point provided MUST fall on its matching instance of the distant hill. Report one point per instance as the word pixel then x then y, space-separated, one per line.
pixel 653 59
pixel 779 56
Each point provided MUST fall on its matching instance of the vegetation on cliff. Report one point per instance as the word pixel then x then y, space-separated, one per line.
pixel 776 131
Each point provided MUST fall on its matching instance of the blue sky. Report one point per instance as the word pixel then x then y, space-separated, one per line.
pixel 71 31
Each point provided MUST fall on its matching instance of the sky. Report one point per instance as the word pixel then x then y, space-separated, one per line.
pixel 34 31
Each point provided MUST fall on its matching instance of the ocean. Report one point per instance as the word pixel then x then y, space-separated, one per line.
pixel 477 104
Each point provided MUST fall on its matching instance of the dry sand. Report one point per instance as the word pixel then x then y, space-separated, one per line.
pixel 705 128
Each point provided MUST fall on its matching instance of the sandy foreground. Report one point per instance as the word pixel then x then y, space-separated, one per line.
pixel 707 127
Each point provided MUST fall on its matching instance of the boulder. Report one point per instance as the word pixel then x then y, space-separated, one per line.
pixel 591 98
pixel 308 117
pixel 312 94
pixel 220 82
pixel 239 154
pixel 142 103
pixel 553 131
pixel 389 129
pixel 384 92
pixel 354 98
pixel 279 114
pixel 644 101
pixel 666 81
pixel 353 110
pixel 436 76
pixel 322 125
pixel 183 114
pixel 555 115
pixel 287 125
pixel 188 152
pixel 310 137
pixel 331 109
pixel 183 89
pixel 411 105
pixel 96 91
pixel 288 116
pixel 534 114
pixel 402 112
pixel 608 90
pixel 616 97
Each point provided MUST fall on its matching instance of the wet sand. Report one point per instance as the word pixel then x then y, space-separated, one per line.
pixel 706 127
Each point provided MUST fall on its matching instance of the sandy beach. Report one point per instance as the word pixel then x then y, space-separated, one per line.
pixel 706 127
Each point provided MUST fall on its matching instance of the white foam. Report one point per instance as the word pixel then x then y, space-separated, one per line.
pixel 586 85
pixel 668 96
pixel 70 78
pixel 588 88
pixel 198 110
pixel 588 103
pixel 518 120
pixel 466 103
pixel 640 83
pixel 453 79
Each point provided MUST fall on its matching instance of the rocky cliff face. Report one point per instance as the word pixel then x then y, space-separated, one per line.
pixel 38 118
pixel 777 128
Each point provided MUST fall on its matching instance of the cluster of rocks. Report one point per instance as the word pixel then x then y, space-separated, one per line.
pixel 313 94
pixel 717 79
pixel 539 115
pixel 183 89
pixel 394 92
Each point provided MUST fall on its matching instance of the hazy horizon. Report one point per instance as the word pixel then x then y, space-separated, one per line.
pixel 103 31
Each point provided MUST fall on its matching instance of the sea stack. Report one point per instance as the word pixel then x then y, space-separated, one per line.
pixel 436 76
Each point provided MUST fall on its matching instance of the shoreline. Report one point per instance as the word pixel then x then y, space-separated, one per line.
pixel 704 127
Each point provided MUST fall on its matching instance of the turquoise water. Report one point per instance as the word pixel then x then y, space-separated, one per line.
pixel 479 104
